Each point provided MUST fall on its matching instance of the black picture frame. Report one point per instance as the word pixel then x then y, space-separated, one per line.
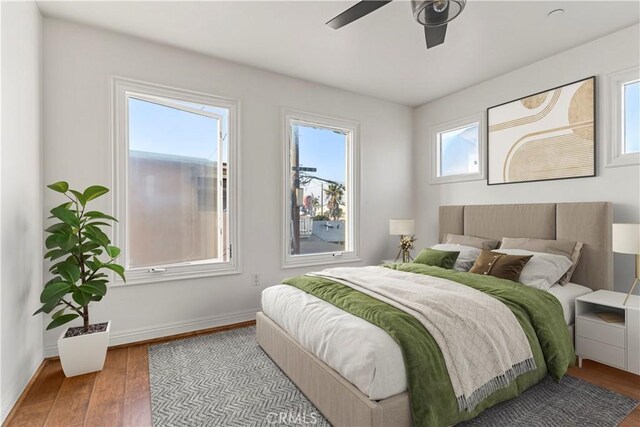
pixel 595 133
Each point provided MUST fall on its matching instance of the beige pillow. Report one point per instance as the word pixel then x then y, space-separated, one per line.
pixel 474 242
pixel 571 250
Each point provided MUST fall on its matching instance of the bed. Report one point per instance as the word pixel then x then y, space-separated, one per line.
pixel 365 385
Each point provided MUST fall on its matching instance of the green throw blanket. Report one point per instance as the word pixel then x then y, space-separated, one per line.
pixel 433 400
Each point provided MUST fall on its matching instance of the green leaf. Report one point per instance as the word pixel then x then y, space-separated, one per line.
pixel 54 240
pixel 69 260
pixel 98 223
pixel 55 254
pixel 96 235
pixel 61 320
pixel 66 215
pixel 96 214
pixel 69 271
pixel 113 251
pixel 58 228
pixel 81 297
pixel 64 241
pixel 54 280
pixel 94 288
pixel 48 307
pixel 81 197
pixel 60 186
pixel 58 313
pixel 95 191
pixel 54 292
pixel 95 264
pixel 119 270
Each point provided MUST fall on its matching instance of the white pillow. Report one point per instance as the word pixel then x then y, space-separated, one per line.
pixel 467 257
pixel 543 270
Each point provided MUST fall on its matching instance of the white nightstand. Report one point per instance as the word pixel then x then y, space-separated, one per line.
pixel 615 344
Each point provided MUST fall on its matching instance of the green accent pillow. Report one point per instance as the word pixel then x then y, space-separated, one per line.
pixel 434 257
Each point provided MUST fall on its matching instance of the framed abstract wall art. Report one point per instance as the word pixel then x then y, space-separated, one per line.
pixel 544 136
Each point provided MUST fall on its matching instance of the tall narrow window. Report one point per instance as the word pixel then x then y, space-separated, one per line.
pixel 623 93
pixel 457 150
pixel 176 171
pixel 631 117
pixel 320 189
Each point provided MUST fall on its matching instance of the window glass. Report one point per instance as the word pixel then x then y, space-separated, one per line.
pixel 177 171
pixel 319 194
pixel 458 151
pixel 631 107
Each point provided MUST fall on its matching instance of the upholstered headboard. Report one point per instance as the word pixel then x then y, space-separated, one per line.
pixel 589 223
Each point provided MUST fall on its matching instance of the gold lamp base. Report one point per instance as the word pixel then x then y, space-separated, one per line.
pixel 405 255
pixel 635 282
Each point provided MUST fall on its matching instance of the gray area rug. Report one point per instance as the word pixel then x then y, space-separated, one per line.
pixel 571 402
pixel 225 379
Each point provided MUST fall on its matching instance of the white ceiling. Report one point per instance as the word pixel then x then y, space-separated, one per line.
pixel 381 55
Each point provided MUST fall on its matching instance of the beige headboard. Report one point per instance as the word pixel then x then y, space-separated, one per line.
pixel 589 223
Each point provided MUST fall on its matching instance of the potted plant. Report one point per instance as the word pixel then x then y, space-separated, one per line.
pixel 82 254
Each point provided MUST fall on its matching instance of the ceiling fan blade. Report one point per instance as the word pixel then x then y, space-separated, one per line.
pixel 435 35
pixel 355 12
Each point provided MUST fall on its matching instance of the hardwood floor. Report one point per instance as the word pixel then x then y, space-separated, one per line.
pixel 119 395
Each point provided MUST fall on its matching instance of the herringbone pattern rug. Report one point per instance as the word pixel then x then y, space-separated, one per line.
pixel 224 379
pixel 570 403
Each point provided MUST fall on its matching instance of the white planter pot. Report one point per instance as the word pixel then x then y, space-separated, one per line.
pixel 83 354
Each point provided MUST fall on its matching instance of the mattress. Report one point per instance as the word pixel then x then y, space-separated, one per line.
pixel 567 295
pixel 361 352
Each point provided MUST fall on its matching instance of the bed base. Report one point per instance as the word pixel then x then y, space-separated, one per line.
pixel 341 403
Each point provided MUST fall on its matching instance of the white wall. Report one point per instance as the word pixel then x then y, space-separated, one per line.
pixel 619 185
pixel 78 63
pixel 21 199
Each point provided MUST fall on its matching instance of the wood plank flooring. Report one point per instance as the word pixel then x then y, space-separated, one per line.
pixel 119 395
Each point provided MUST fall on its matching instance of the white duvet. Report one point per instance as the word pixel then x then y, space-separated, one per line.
pixel 358 350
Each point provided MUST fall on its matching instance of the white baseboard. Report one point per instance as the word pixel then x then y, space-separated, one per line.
pixel 15 390
pixel 167 329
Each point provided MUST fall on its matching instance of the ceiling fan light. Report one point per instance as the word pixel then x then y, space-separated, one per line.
pixel 431 13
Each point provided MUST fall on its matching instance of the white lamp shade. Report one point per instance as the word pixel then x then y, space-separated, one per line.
pixel 626 238
pixel 402 227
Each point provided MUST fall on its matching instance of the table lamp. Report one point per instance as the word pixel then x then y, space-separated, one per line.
pixel 405 229
pixel 626 240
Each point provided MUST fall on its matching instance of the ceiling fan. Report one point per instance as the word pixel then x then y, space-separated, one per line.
pixel 432 14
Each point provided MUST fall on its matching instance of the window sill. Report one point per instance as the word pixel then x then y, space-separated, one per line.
pixel 631 159
pixel 456 178
pixel 149 278
pixel 310 262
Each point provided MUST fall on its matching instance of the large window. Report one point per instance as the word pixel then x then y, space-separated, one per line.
pixel 175 176
pixel 457 150
pixel 320 188
pixel 624 118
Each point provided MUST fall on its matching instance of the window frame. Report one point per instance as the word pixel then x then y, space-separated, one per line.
pixel 352 181
pixel 615 83
pixel 122 90
pixel 434 150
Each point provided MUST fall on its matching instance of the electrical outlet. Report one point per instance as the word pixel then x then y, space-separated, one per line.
pixel 255 279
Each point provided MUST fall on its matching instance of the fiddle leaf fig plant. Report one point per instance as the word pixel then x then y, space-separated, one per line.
pixel 81 254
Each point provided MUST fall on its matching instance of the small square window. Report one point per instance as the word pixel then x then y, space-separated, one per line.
pixel 457 150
